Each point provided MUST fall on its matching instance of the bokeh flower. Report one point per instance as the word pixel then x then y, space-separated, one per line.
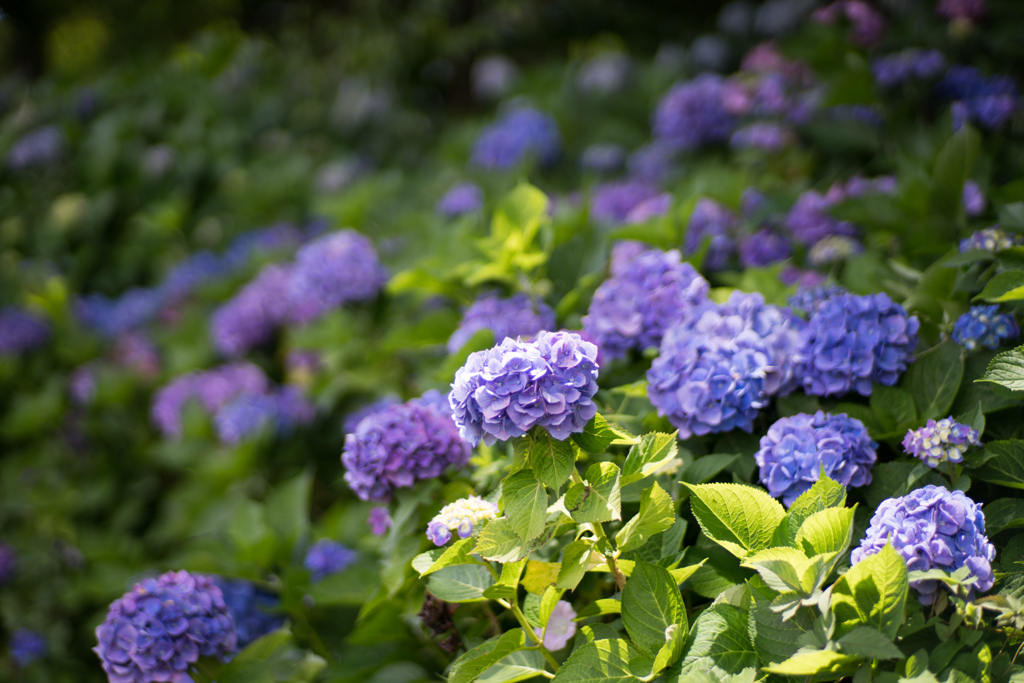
pixel 693 114
pixel 519 134
pixel 326 557
pixel 461 199
pixel 715 224
pixel 515 316
pixel 21 331
pixel 254 610
pixel 27 646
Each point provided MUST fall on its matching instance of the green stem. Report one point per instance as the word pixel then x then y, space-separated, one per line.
pixel 609 556
pixel 538 643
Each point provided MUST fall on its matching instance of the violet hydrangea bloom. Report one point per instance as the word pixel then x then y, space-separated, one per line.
pixel 632 309
pixel 38 148
pixel 400 445
pixel 945 440
pixel 505 391
pixel 961 9
pixel 693 114
pixel 808 220
pixel 250 318
pixel 764 135
pixel 984 326
pixel 515 316
pixel 897 68
pixel 113 317
pixel 713 222
pixel 650 208
pixel 327 557
pixel 807 299
pixel 335 269
pixel 796 448
pixel 988 101
pixel 763 248
pixel 380 521
pixel 461 199
pixel 612 202
pixel 8 563
pixel 27 646
pixel 250 413
pixel 21 331
pixel 973 199
pixel 932 528
pixel 603 158
pixel 464 515
pixel 990 239
pixel 162 626
pixel 650 163
pixel 520 133
pixel 353 419
pixel 851 341
pixel 255 610
pixel 212 389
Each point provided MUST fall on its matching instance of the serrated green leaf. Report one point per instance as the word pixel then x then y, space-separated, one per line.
pixel 1005 286
pixel 868 643
pixel 742 519
pixel 604 661
pixel 815 663
pixel 539 575
pixel 824 494
pixel 657 513
pixel 1003 513
pixel 518 666
pixel 1003 464
pixel 872 593
pixel 894 407
pixel 774 638
pixel 548 601
pixel 474 662
pixel 650 604
pixel 439 558
pixel 654 451
pixel 598 498
pixel 525 502
pixel 575 560
pixel 1007 370
pixel 499 542
pixel 599 435
pixel 826 531
pixel 460 583
pixel 552 460
pixel 720 644
pixel 780 568
pixel 934 378
pixel 508 583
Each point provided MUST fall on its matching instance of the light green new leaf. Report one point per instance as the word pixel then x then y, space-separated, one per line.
pixel 548 601
pixel 1005 286
pixel 439 558
pixel 461 583
pixel 780 568
pixel 604 661
pixel 552 460
pixel 826 531
pixel 934 379
pixel 657 513
pixel 872 593
pixel 575 560
pixel 814 663
pixel 474 662
pixel 507 585
pixel 1003 464
pixel 599 498
pixel 824 494
pixel 1006 369
pixel 720 644
pixel 499 542
pixel 650 604
pixel 525 503
pixel 654 451
pixel 742 519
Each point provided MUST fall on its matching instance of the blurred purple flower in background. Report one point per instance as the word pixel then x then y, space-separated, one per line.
pixel 21 331
pixel 519 134
pixel 693 114
pixel 38 148
pixel 27 646
pixel 612 202
pixel 515 316
pixel 763 248
pixel 461 199
pixel 327 557
pixel 712 222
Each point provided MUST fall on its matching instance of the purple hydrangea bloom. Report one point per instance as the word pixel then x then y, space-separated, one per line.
pixel 711 221
pixel 353 419
pixel 21 331
pixel 255 610
pixel 632 309
pixel 399 445
pixel 650 163
pixel 461 199
pixel 27 646
pixel 851 341
pixel 932 528
pixel 251 413
pixel 162 626
pixel 82 384
pixel 897 68
pixel 335 269
pixel 515 316
pixel 380 521
pixel 604 73
pixel 650 208
pixel 866 23
pixel 282 236
pixel 808 220
pixel 791 275
pixel 693 114
pixel 212 389
pixel 38 148
pixel 973 199
pixel 988 101
pixel 520 133
pixel 763 135
pixel 991 239
pixel 190 274
pixel 603 158
pixel 612 202
pixel 944 441
pixel 505 391
pixel 807 299
pixel 327 557
pixel 984 326
pixel 763 248
pixel 113 317
pixel 796 448
pixel 493 76
pixel 961 9
pixel 8 563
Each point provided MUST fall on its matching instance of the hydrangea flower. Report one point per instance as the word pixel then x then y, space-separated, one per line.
pixel 461 199
pixel 162 626
pixel 136 351
pixel 251 317
pixel 603 158
pixel 353 419
pixel 764 135
pixel 212 389
pixel 505 391
pixel 989 101
pixel 650 163
pixel 604 73
pixel 973 199
pixel 932 528
pixel 693 114
pixel 943 441
pixel 518 315
pixel 612 202
pixel 463 516
pixel 796 448
pixel 560 628
pixel 255 610
pixel 632 309
pixel 113 317
pixel 380 521
pixel 282 236
pixel 650 208
pixel 763 248
pixel 991 239
pixel 8 563
pixel 808 220
pixel 713 222
pixel 400 445
pixel 520 133
pixel 984 326
pixel 250 413
pixel 493 76
pixel 82 384
pixel 807 299
pixel 27 646
pixel 851 341
pixel 336 269
pixel 866 23
pixel 790 275
pixel 832 249
pixel 21 331
pixel 38 148
pixel 897 68
pixel 972 10
pixel 327 557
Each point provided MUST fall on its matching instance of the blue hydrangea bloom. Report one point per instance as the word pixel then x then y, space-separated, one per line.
pixel 162 626
pixel 650 208
pixel 651 163
pixel 380 521
pixel 193 272
pixel 808 220
pixel 632 309
pixel 21 331
pixel 851 341
pixel 988 101
pixel 913 63
pixel 612 202
pixel 807 299
pixel 113 317
pixel 8 563
pixel 250 413
pixel 27 646
pixel 335 269
pixel 764 135
pixel 255 610
pixel 515 316
pixel 984 326
pixel 832 249
pixel 251 317
pixel 973 199
pixel 763 248
pixel 693 114
pixel 505 391
pixel 401 444
pixel 38 148
pixel 464 516
pixel 461 199
pixel 795 449
pixel 521 133
pixel 212 389
pixel 603 158
pixel 991 239
pixel 940 441
pixel 713 222
pixel 932 528
pixel 282 236
pixel 326 557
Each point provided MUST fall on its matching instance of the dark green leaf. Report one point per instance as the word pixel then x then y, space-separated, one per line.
pixel 934 379
pixel 868 643
pixel 1004 513
pixel 474 662
pixel 1003 464
pixel 552 460
pixel 1006 286
pixel 461 583
pixel 720 643
pixel 657 513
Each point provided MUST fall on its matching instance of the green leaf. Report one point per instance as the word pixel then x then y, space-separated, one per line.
pixel 1004 513
pixel 1005 286
pixel 525 503
pixel 780 568
pixel 720 643
pixel 507 586
pixel 1003 464
pixel 894 407
pixel 826 531
pixel 598 499
pixel 654 451
pixel 547 603
pixel 872 593
pixel 774 638
pixel 815 663
pixel 523 207
pixel 934 379
pixel 824 494
pixel 575 560
pixel 518 666
pixel 474 662
pixel 604 661
pixel 287 508
pixel 1007 370
pixel 706 467
pixel 599 608
pixel 650 604
pixel 742 519
pixel 657 513
pixel 461 583
pixel 552 460
pixel 868 643
pixel 967 257
pixel 540 575
pixel 953 166
pixel 499 542
pixel 599 435
pixel 439 558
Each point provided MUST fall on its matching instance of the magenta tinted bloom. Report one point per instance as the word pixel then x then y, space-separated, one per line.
pixel 612 202
pixel 21 331
pixel 336 269
pixel 160 628
pixel 327 557
pixel 515 316
pixel 520 134
pixel 505 391
pixel 932 528
pixel 984 326
pixel 943 441
pixel 693 114
pixel 711 222
pixel 461 199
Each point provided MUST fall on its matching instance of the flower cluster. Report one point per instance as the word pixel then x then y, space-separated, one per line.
pixel 897 68
pixel 515 316
pixel 649 291
pixel 807 299
pixel 380 521
pixel 461 199
pixel 520 134
pixel 21 331
pixel 763 248
pixel 27 646
pixel 613 202
pixel 251 413
pixel 832 249
pixel 38 148
pixel 945 440
pixel 971 10
pixel 8 563
pixel 984 326
pixel 650 208
pixel 808 221
pixel 401 444
pixel 973 199
pixel 250 318
pixel 162 626
pixel 866 23
pixel 651 163
pixel 991 102
pixel 711 222
pixel 764 135
pixel 932 528
pixel 505 391
pixel 796 448
pixel 851 341
pixel 327 557
pixel 990 239
pixel 693 114
pixel 463 516
pixel 254 610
